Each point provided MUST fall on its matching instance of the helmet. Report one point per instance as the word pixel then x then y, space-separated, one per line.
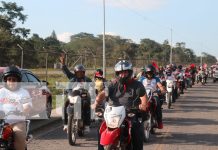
pixel 123 65
pixel 180 67
pixel 149 69
pixel 79 68
pixel 174 67
pixel 11 71
pixel 168 72
pixel 98 73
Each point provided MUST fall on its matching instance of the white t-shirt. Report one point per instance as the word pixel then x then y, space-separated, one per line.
pixel 13 100
pixel 150 84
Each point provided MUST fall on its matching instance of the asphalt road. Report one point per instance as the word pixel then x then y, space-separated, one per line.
pixel 191 124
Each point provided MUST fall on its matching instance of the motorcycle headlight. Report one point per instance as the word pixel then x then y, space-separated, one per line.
pixel 113 122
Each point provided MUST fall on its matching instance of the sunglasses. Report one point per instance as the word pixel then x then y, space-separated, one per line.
pixel 13 79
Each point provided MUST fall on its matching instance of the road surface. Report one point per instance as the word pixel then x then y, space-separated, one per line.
pixel 191 124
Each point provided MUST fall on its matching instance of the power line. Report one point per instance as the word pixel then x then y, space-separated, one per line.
pixel 158 24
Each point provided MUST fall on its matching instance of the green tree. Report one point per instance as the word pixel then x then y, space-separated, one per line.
pixel 10 34
pixel 53 35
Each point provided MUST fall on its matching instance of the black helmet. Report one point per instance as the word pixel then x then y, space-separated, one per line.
pixel 149 69
pixel 123 65
pixel 79 68
pixel 180 67
pixel 11 71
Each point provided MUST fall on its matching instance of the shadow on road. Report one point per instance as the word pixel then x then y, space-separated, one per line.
pixel 189 121
pixel 188 139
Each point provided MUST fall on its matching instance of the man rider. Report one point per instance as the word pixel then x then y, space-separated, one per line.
pixel 15 98
pixel 77 77
pixel 123 90
pixel 154 81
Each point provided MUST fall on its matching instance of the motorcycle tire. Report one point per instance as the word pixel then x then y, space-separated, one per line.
pixel 147 130
pixel 153 125
pixel 72 130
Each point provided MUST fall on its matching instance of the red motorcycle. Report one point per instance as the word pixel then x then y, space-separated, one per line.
pixel 115 130
pixel 7 134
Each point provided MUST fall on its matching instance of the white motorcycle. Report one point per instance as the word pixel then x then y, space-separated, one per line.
pixel 169 94
pixel 150 123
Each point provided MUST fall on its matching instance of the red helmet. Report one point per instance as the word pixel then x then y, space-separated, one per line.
pixel 99 73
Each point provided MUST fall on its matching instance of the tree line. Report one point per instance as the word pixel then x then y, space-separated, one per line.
pixel 83 47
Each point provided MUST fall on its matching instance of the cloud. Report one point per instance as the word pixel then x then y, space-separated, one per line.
pixel 64 37
pixel 111 33
pixel 134 4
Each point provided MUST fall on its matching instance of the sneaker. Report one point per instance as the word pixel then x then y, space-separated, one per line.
pixel 65 128
pixel 86 129
pixel 160 125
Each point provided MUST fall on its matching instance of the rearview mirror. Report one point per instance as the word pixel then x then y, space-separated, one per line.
pixel 45 82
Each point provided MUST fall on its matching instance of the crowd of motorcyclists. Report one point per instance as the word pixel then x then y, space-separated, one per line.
pixel 127 85
pixel 129 88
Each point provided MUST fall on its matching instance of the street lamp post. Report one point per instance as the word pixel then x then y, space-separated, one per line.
pixel 171 48
pixel 21 65
pixel 201 62
pixel 104 58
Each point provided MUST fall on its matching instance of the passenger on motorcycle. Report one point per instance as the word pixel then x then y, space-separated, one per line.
pixel 15 98
pixel 155 83
pixel 123 90
pixel 100 83
pixel 77 77
pixel 180 76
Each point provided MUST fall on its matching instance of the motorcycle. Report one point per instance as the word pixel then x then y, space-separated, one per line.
pixel 115 129
pixel 202 78
pixel 6 131
pixel 169 94
pixel 79 101
pixel 151 123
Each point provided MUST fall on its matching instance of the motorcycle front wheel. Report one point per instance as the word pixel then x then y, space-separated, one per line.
pixel 72 130
pixel 147 129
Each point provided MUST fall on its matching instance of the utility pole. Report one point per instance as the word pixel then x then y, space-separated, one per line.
pixel 171 46
pixel 201 63
pixel 21 65
pixel 46 65
pixel 104 58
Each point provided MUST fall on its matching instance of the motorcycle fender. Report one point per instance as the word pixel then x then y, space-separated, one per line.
pixel 103 127
pixel 169 89
pixel 110 137
pixel 74 99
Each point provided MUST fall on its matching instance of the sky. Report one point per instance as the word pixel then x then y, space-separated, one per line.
pixel 194 22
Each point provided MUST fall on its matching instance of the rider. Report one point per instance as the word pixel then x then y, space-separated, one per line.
pixel 100 83
pixel 123 90
pixel 99 80
pixel 79 77
pixel 155 83
pixel 14 97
